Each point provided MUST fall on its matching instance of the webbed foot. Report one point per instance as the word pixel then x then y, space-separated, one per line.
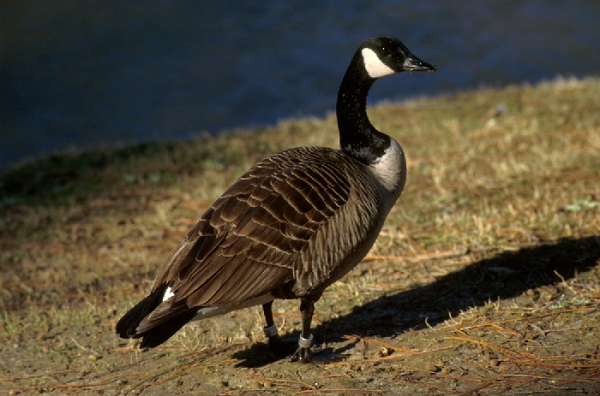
pixel 303 353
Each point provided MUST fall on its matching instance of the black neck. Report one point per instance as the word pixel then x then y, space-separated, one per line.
pixel 358 137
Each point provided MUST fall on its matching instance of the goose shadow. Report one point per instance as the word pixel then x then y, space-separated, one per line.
pixel 504 276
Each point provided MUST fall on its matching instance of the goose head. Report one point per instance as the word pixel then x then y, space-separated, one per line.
pixel 383 56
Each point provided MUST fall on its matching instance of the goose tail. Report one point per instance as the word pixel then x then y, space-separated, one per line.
pixel 154 335
pixel 128 324
pixel 155 323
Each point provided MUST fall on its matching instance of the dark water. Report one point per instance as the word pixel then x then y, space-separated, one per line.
pixel 77 73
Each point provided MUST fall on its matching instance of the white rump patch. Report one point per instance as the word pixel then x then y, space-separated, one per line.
pixel 388 169
pixel 168 294
pixel 374 66
pixel 209 312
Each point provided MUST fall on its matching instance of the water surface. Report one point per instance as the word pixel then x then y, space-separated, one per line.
pixel 80 73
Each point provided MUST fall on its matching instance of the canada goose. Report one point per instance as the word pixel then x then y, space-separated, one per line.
pixel 296 222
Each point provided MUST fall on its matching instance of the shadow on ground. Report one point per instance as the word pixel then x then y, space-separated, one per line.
pixel 507 275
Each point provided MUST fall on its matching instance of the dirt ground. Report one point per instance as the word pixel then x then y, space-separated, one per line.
pixel 538 336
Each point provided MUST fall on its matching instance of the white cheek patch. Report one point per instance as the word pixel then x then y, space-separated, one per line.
pixel 374 66
pixel 168 294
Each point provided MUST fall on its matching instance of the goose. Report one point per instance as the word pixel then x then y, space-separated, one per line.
pixel 292 225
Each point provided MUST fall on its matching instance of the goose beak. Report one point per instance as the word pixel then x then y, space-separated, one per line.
pixel 412 63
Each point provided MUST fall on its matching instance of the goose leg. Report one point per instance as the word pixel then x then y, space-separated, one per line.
pixel 303 354
pixel 270 329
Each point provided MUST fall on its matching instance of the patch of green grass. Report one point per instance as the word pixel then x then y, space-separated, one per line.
pixel 582 204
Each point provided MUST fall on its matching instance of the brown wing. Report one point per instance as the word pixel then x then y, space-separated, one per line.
pixel 246 243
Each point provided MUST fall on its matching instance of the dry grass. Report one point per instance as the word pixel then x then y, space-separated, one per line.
pixel 484 281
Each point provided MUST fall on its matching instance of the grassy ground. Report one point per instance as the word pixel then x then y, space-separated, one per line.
pixel 484 281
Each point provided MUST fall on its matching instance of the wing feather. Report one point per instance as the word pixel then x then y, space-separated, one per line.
pixel 245 245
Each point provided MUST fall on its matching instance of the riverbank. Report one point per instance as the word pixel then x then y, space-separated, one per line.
pixel 485 279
